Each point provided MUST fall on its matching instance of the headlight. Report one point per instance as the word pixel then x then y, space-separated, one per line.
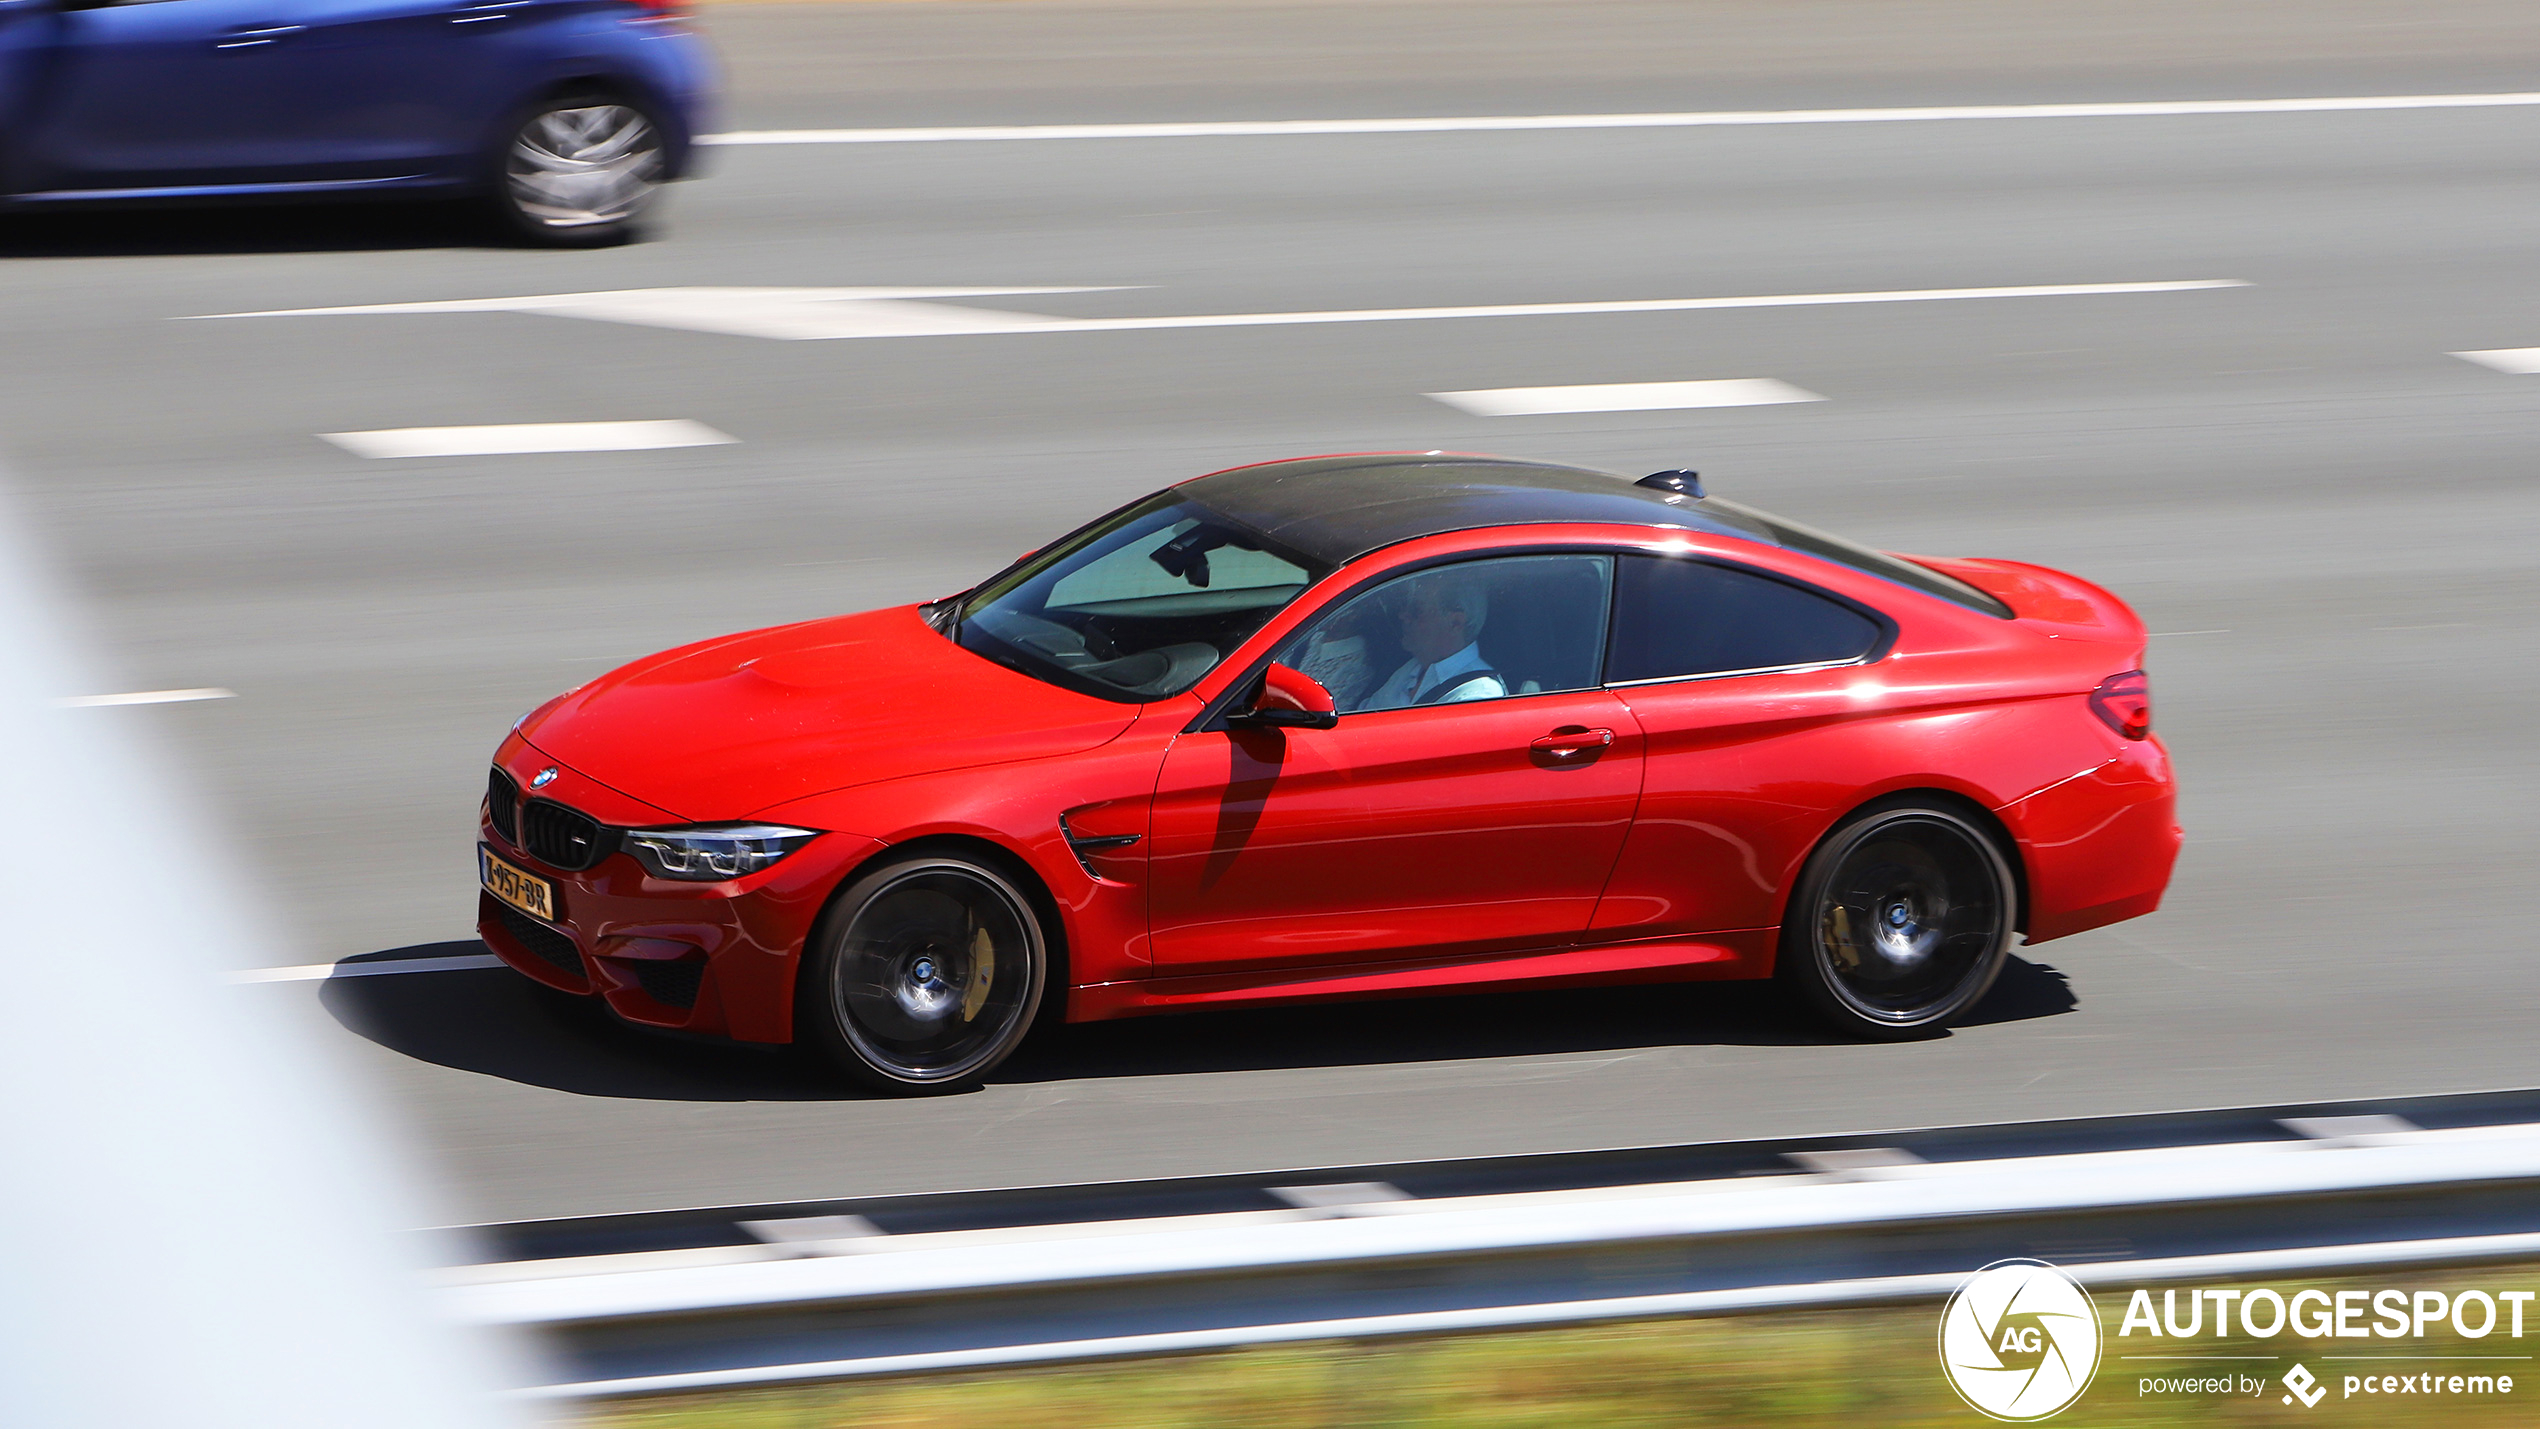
pixel 714 852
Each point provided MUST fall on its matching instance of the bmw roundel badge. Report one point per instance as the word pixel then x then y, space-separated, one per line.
pixel 543 777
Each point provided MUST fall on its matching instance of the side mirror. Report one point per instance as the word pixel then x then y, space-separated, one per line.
pixel 1289 699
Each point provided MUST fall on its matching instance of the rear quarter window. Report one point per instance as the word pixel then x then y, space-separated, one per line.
pixel 1790 535
pixel 1675 618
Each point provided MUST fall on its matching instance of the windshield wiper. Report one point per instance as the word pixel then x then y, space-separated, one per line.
pixel 944 616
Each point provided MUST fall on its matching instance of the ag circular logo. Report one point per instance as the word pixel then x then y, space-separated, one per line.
pixel 2020 1340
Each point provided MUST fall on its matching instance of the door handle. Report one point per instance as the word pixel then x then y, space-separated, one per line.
pixel 248 37
pixel 1571 741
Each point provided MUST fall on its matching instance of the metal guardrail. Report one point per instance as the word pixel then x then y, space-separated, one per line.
pixel 692 1300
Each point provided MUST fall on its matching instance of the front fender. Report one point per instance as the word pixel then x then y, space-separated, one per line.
pixel 1019 808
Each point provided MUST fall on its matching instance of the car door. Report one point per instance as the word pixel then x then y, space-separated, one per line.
pixel 28 31
pixel 1474 813
pixel 1747 689
pixel 156 93
pixel 399 87
pixel 184 93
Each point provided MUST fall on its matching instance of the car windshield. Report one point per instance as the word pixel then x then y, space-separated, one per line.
pixel 1137 606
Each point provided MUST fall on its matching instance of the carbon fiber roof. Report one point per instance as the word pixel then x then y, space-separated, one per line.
pixel 1337 508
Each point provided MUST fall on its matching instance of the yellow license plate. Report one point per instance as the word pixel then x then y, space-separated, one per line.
pixel 527 892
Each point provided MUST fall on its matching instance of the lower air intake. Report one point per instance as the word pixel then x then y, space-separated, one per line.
pixel 670 984
pixel 543 942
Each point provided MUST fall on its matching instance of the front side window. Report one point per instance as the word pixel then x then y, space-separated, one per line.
pixel 1137 606
pixel 1675 618
pixel 1475 630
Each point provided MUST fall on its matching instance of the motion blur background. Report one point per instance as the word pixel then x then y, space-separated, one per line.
pixel 2328 517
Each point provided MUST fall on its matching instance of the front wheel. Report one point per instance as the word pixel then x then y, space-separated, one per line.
pixel 923 975
pixel 1901 921
pixel 578 170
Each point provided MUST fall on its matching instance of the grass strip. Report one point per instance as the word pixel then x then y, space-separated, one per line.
pixel 1854 1366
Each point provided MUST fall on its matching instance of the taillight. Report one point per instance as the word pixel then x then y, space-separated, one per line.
pixel 2124 702
pixel 662 9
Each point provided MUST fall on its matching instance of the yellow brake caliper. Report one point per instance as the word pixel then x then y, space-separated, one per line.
pixel 983 970
pixel 1838 931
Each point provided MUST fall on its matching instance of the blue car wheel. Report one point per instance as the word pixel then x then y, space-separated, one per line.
pixel 579 170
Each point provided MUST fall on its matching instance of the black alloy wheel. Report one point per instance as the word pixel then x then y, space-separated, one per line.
pixel 923 975
pixel 578 170
pixel 1901 921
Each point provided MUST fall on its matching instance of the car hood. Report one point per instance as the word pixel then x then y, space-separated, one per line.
pixel 727 727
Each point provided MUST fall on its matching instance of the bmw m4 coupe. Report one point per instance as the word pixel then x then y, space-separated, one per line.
pixel 564 117
pixel 1336 728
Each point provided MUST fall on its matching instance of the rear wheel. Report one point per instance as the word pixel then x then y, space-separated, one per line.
pixel 1901 921
pixel 924 975
pixel 578 170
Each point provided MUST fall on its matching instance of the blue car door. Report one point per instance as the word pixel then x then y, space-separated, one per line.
pixel 212 93
pixel 401 88
pixel 26 42
pixel 163 93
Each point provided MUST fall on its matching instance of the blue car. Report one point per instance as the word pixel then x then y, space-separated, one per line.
pixel 564 116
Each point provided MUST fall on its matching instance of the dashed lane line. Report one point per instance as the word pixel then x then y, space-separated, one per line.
pixel 318 972
pixel 146 697
pixel 2512 361
pixel 1626 397
pixel 529 437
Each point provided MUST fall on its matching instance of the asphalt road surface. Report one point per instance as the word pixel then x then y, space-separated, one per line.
pixel 2330 519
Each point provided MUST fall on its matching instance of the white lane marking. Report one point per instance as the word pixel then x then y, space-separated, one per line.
pixel 1626 397
pixel 816 313
pixel 1711 119
pixel 529 437
pixel 2516 361
pixel 314 972
pixel 786 313
pixel 146 697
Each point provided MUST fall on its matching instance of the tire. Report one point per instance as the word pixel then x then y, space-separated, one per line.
pixel 1900 922
pixel 577 170
pixel 924 975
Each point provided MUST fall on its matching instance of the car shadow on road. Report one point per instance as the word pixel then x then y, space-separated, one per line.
pixel 497 1023
pixel 256 228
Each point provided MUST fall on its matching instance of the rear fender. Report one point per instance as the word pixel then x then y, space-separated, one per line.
pixel 2100 845
pixel 1747 799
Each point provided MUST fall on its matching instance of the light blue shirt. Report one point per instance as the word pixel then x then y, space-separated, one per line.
pixel 1416 677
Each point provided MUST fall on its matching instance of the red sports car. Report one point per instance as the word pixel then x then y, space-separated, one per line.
pixel 1343 727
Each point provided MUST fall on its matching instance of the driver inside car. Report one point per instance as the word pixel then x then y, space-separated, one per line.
pixel 1441 618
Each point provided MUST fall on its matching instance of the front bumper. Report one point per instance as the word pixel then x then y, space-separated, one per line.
pixel 714 958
